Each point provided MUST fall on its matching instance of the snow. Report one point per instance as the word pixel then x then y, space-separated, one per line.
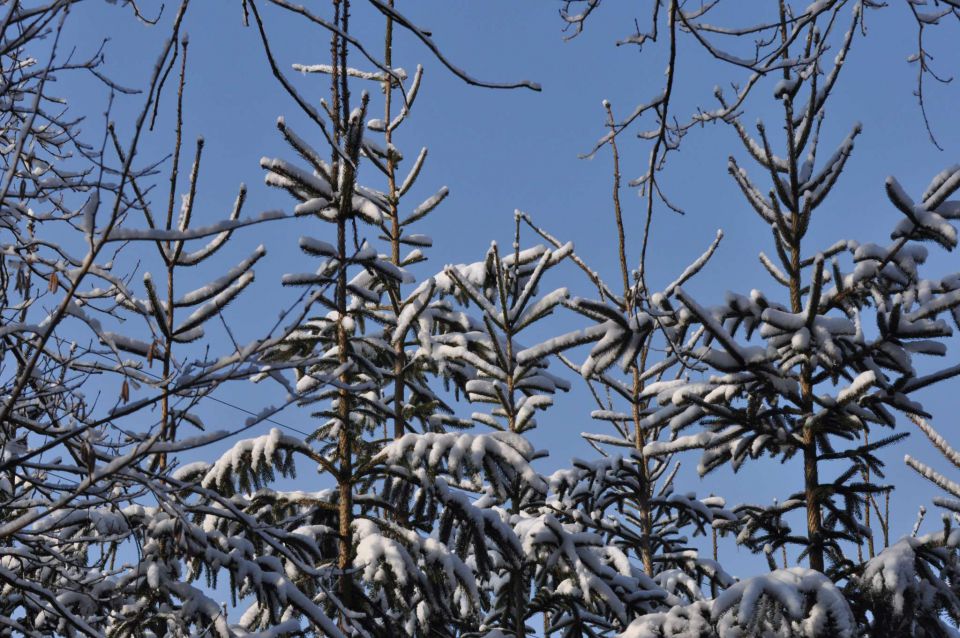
pixel 893 572
pixel 863 382
pixel 218 285
pixel 317 247
pixel 426 206
pixel 691 621
pixel 250 454
pixel 199 232
pixel 460 455
pixel 808 600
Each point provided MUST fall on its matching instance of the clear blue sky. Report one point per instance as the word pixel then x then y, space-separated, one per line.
pixel 501 150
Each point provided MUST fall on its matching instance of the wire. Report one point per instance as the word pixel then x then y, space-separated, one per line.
pixel 222 402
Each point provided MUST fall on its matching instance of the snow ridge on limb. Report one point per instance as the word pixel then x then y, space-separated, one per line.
pixel 909 588
pixel 460 458
pixel 785 602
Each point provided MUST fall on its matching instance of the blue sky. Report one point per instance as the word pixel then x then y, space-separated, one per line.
pixel 503 150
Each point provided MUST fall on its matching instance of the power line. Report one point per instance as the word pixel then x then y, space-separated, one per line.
pixel 254 414
pixel 223 402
